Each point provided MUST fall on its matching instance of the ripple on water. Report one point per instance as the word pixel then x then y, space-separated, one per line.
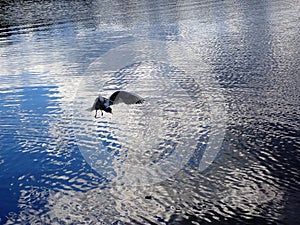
pixel 131 143
pixel 251 52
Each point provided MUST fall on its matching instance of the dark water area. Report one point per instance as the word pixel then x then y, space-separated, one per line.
pixel 217 140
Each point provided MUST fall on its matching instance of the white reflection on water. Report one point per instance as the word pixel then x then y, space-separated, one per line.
pixel 128 204
pixel 149 143
pixel 231 38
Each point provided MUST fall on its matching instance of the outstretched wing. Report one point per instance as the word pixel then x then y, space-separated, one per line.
pixel 125 97
pixel 93 107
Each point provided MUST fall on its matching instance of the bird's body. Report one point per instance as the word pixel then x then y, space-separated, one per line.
pixel 102 103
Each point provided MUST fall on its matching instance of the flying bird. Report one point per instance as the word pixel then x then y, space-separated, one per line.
pixel 102 103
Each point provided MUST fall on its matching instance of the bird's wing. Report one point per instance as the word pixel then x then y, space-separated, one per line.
pixel 93 107
pixel 125 97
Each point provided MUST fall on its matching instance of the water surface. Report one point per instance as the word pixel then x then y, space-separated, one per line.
pixel 216 142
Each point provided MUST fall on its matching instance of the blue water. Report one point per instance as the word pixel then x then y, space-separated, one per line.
pixel 217 141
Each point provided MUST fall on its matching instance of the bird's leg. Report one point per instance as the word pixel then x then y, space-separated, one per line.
pixel 96 114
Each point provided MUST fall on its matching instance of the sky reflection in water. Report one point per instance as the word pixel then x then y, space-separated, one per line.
pixel 249 49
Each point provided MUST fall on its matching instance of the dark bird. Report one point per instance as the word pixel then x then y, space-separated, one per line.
pixel 102 103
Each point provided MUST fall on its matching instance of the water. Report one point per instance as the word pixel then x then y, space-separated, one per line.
pixel 216 142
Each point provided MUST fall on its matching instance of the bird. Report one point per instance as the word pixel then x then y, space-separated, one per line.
pixel 102 103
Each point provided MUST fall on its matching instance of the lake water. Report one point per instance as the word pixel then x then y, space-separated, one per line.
pixel 216 142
